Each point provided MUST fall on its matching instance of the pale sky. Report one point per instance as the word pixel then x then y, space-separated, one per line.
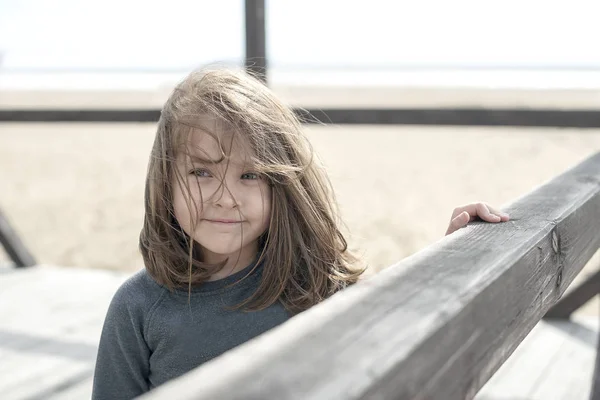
pixel 178 34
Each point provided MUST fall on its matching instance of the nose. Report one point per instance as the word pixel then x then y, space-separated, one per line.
pixel 225 197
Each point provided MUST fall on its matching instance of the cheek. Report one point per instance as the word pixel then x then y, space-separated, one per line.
pixel 265 207
pixel 183 213
pixel 180 210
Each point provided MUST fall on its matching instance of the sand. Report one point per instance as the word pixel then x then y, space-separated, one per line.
pixel 74 192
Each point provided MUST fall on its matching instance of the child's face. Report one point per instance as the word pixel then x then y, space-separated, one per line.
pixel 233 202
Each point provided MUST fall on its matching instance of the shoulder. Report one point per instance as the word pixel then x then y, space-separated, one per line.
pixel 138 294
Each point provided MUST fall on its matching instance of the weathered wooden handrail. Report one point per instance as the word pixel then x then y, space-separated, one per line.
pixel 434 326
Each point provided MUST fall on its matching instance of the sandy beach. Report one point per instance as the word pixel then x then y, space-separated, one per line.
pixel 74 192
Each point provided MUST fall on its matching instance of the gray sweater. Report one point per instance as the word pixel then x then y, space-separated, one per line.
pixel 152 335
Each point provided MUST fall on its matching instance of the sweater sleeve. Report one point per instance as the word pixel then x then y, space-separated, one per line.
pixel 122 364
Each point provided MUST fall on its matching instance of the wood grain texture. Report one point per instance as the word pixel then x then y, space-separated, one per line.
pixel 434 326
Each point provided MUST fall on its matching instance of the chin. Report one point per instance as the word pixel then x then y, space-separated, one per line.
pixel 225 251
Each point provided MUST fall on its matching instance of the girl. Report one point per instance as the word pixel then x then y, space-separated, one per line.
pixel 240 233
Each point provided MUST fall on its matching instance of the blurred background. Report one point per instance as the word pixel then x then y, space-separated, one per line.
pixel 426 106
pixel 73 191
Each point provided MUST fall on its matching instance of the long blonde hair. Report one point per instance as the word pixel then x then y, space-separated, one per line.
pixel 304 254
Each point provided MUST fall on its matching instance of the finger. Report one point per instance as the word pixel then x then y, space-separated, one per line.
pixel 456 212
pixel 458 222
pixel 484 213
pixel 503 216
pixel 471 209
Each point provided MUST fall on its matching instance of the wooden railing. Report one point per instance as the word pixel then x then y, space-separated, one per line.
pixel 14 247
pixel 434 326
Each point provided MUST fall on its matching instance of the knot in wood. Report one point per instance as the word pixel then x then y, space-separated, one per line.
pixel 555 241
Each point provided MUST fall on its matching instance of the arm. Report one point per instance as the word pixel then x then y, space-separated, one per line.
pixel 122 365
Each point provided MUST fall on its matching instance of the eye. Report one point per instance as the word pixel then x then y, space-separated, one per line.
pixel 201 173
pixel 250 175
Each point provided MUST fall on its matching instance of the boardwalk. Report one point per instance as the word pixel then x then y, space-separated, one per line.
pixel 50 322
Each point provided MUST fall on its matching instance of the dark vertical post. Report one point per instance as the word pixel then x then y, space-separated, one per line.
pixel 256 52
pixel 576 298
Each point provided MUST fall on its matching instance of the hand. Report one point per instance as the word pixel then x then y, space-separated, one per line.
pixel 461 216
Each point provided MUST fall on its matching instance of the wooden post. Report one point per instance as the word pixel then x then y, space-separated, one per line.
pixel 576 298
pixel 256 52
pixel 13 245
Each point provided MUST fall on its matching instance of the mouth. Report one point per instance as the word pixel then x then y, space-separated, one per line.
pixel 223 221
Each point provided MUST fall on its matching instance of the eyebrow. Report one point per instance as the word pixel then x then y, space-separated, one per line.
pixel 199 160
pixel 194 158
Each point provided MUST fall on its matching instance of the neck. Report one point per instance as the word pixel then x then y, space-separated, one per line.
pixel 235 263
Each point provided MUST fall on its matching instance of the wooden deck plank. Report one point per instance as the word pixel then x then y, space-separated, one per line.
pixel 44 369
pixel 569 376
pixel 519 374
pixel 23 363
pixel 34 314
pixel 50 324
pixel 82 390
pixel 53 376
pixel 57 378
pixel 555 361
pixel 14 343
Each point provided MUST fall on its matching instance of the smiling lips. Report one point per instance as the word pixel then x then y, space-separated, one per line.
pixel 224 221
